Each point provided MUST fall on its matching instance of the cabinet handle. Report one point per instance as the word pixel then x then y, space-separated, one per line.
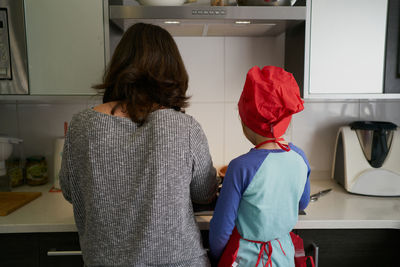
pixel 64 253
pixel 316 252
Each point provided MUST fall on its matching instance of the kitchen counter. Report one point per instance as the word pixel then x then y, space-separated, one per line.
pixel 336 210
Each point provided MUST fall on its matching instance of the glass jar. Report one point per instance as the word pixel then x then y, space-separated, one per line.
pixel 15 172
pixel 36 170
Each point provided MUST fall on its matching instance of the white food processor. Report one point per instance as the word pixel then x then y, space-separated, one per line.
pixel 366 159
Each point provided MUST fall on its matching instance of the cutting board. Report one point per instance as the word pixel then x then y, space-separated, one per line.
pixel 10 201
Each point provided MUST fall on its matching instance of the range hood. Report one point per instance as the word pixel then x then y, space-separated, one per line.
pixel 195 20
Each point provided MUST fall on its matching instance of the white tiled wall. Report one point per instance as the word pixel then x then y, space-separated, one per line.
pixel 217 68
pixel 204 62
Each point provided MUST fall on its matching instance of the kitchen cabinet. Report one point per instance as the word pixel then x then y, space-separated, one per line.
pixel 19 250
pixel 65 45
pixel 354 247
pixel 30 249
pixel 349 247
pixel 345 48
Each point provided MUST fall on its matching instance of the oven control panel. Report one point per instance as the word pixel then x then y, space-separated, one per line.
pixel 5 57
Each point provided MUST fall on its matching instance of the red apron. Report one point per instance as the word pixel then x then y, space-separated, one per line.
pixel 231 250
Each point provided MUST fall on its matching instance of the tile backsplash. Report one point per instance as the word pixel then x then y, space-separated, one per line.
pixel 217 68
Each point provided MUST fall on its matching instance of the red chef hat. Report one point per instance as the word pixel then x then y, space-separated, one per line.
pixel 270 96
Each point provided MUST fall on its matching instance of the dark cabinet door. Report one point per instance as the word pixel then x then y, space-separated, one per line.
pixel 19 250
pixel 60 244
pixel 355 247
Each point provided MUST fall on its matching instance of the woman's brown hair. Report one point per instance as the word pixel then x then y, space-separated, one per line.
pixel 146 73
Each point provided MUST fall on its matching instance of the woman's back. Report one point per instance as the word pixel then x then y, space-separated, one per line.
pixel 131 187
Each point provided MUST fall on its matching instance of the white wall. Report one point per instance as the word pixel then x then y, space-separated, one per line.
pixel 217 68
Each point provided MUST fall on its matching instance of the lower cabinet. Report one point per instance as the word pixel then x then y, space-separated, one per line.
pixel 19 250
pixel 59 249
pixel 354 247
pixel 349 247
pixel 32 250
pixel 336 247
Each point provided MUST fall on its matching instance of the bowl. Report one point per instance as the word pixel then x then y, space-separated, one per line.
pixel 222 171
pixel 161 2
pixel 264 2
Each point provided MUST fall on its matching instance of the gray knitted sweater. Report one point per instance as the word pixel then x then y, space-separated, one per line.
pixel 131 188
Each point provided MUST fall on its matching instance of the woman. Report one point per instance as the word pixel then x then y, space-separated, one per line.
pixel 133 165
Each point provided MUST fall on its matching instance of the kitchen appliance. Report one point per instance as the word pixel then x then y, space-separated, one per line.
pixel 366 159
pixel 200 20
pixel 6 148
pixel 13 55
pixel 315 197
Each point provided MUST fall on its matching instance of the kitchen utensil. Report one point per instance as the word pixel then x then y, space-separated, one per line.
pixel 264 2
pixel 161 2
pixel 10 201
pixel 315 197
pixel 366 159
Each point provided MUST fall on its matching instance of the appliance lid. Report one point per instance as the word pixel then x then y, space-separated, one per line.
pixel 375 139
pixel 373 125
pixel 194 20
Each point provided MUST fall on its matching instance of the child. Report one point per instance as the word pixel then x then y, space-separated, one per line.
pixel 263 189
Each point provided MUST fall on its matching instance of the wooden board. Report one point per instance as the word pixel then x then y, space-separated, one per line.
pixel 10 201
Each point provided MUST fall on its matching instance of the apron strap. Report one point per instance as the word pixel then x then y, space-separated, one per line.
pixel 277 141
pixel 263 249
pixel 231 250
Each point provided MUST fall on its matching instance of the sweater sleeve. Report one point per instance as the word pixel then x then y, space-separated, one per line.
pixel 203 187
pixel 225 213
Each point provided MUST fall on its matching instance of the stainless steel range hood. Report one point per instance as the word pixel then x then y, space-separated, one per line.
pixel 194 20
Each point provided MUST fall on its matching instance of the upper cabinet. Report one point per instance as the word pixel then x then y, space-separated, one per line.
pixel 345 55
pixel 65 45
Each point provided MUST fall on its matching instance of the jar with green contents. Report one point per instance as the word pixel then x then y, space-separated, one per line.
pixel 15 171
pixel 36 170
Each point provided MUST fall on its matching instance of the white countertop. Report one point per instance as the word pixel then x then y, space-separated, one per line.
pixel 338 209
pixel 48 213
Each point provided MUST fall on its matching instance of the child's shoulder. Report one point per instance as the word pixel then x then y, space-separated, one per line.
pixel 250 160
pixel 298 150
